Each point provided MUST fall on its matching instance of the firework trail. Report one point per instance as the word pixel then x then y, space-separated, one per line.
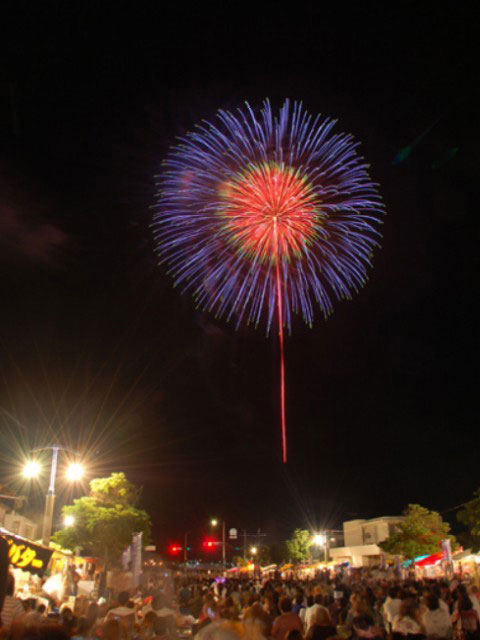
pixel 261 215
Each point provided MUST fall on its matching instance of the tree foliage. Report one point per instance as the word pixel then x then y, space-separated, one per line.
pixel 298 546
pixel 470 516
pixel 420 533
pixel 105 519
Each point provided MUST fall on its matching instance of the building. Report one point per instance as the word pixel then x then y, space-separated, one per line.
pixel 361 538
pixel 16 523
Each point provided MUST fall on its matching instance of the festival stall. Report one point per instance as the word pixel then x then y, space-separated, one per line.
pixel 29 562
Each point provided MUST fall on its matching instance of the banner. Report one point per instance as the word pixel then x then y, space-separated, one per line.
pixel 447 550
pixel 136 557
pixel 26 555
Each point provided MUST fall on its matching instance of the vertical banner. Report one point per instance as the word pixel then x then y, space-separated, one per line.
pixel 127 558
pixel 447 556
pixel 398 567
pixel 136 555
pixel 447 550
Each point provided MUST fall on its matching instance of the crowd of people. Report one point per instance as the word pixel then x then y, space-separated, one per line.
pixel 348 605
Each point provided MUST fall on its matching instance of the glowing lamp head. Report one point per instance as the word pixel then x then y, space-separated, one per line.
pixel 75 472
pixel 253 551
pixel 69 521
pixel 319 539
pixel 214 522
pixel 32 469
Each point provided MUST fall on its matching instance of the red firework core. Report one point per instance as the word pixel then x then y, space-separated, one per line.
pixel 270 212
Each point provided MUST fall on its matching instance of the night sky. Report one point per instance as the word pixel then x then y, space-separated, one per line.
pixel 99 352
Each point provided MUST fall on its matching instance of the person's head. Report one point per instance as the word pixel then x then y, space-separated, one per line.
pixel 92 612
pixel 407 608
pixel 123 598
pixel 82 626
pixel 432 602
pixel 321 617
pixel 310 600
pixel 256 617
pixel 363 623
pixel 41 609
pixel 464 602
pixel 317 632
pixel 149 619
pixel 294 634
pixel 111 630
pixel 318 599
pixel 285 604
pixel 393 592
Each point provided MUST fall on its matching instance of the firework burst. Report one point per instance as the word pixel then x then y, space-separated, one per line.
pixel 261 215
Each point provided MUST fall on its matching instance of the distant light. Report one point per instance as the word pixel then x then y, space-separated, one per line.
pixel 32 469
pixel 75 471
pixel 253 550
pixel 214 522
pixel 174 548
pixel 69 521
pixel 319 539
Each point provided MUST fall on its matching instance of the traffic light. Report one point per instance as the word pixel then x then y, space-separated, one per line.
pixel 173 549
pixel 210 545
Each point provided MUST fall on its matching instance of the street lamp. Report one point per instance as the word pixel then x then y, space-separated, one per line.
pixel 253 551
pixel 69 521
pixel 32 469
pixel 214 523
pixel 75 471
pixel 321 540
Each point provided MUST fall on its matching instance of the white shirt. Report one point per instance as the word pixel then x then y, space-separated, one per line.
pixel 391 608
pixel 405 625
pixel 437 623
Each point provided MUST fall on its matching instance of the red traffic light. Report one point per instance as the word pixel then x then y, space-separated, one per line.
pixel 174 549
pixel 210 544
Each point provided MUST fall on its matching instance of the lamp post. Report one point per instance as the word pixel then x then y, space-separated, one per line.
pixel 32 469
pixel 214 523
pixel 321 540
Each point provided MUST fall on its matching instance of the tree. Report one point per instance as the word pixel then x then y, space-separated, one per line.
pixel 105 519
pixel 420 533
pixel 470 516
pixel 298 547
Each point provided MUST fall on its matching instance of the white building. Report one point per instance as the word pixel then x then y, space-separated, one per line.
pixel 16 523
pixel 361 539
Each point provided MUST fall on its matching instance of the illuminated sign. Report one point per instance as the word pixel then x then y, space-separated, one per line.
pixel 26 555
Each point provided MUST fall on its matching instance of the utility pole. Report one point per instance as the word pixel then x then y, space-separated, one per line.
pixel 257 537
pixel 50 498
pixel 224 546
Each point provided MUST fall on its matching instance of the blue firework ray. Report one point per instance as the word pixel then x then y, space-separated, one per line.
pixel 257 212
